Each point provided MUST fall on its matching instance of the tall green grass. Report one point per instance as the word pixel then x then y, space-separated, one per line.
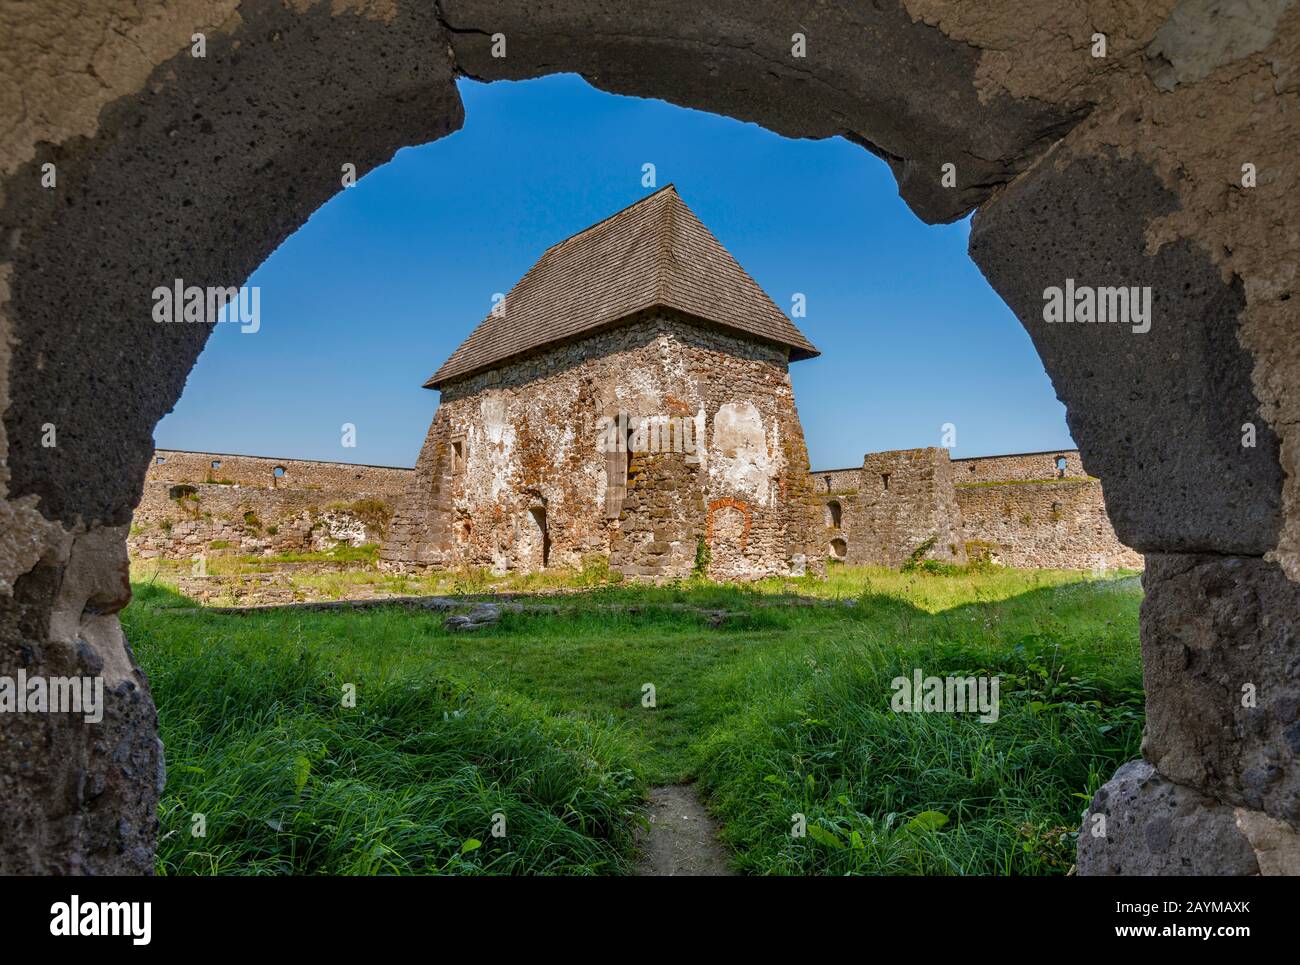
pixel 897 793
pixel 413 779
pixel 781 710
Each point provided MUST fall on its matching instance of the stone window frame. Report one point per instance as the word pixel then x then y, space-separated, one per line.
pixel 459 453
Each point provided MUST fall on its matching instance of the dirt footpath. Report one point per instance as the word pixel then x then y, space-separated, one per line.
pixel 682 838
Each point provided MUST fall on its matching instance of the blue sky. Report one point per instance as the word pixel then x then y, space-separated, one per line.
pixel 370 296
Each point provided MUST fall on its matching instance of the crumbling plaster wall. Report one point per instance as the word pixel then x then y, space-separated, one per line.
pixel 1126 166
pixel 527 436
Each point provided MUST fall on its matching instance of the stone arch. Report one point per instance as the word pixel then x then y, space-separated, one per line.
pixel 741 510
pixel 834 514
pixel 173 168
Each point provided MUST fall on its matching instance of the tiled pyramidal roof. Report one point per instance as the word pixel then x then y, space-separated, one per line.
pixel 655 253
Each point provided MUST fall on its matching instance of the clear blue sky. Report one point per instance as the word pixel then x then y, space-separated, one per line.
pixel 362 304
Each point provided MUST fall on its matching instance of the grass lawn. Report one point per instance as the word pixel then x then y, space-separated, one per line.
pixel 782 711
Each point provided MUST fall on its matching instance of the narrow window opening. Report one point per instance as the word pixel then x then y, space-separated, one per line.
pixel 834 514
pixel 884 479
pixel 1060 466
pixel 538 513
pixel 618 458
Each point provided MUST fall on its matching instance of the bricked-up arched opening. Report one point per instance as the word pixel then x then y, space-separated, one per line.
pixel 171 166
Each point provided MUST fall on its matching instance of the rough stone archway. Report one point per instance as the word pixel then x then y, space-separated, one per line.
pixel 1124 169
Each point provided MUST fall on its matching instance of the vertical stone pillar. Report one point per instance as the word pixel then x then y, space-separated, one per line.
pixel 1158 405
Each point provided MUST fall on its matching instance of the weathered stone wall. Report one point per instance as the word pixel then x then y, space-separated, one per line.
pixel 200 502
pixel 906 499
pixel 720 460
pixel 173 466
pixel 836 480
pixel 1027 510
pixel 1054 525
pixel 1052 464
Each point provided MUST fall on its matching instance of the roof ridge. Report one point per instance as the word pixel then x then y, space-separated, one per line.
pixel 665 250
pixel 592 227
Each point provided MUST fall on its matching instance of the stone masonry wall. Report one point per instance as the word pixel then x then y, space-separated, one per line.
pixel 260 471
pixel 1056 525
pixel 1007 508
pixel 1033 510
pixel 720 460
pixel 906 498
pixel 836 480
pixel 1052 464
pixel 198 502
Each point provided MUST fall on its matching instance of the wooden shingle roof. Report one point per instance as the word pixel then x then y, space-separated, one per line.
pixel 655 253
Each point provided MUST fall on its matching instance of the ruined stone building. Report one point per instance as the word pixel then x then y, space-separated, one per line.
pixel 629 399
pixel 1031 510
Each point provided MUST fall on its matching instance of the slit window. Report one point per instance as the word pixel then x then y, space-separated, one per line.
pixel 834 514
